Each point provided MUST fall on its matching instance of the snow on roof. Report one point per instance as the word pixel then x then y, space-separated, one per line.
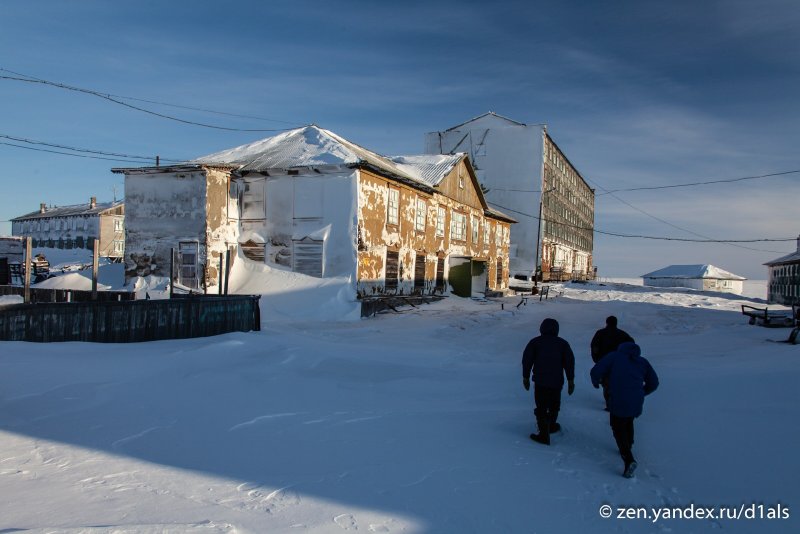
pixel 309 146
pixel 430 169
pixel 794 257
pixel 70 211
pixel 693 271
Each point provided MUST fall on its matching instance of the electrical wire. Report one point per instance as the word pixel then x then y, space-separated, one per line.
pixel 691 184
pixel 591 229
pixel 86 150
pixel 30 79
pixel 69 154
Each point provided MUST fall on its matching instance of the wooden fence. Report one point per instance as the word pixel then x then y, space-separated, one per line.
pixel 130 321
pixel 41 294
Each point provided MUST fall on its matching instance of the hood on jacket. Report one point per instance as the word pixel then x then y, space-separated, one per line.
pixel 549 327
pixel 631 349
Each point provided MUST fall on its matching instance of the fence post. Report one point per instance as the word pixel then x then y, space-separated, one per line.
pixel 28 267
pixel 227 268
pixel 171 269
pixel 219 274
pixel 95 261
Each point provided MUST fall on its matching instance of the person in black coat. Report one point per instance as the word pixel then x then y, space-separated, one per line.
pixel 630 378
pixel 549 358
pixel 607 340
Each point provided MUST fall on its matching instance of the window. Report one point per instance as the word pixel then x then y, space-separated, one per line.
pixel 86 223
pixel 458 227
pixel 119 247
pixel 393 209
pixel 485 234
pixel 419 224
pixel 117 225
pixel 440 215
pixel 74 223
pixel 253 200
pixel 187 264
pixel 475 228
pixel 498 234
pixel 499 279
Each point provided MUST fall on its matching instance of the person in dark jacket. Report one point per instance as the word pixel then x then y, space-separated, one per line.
pixel 607 340
pixel 549 357
pixel 630 378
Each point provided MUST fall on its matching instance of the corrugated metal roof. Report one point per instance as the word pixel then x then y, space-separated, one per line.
pixel 794 257
pixel 70 211
pixel 310 146
pixel 693 271
pixel 430 169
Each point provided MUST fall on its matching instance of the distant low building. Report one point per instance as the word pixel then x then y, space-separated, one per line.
pixel 76 226
pixel 784 278
pixel 700 277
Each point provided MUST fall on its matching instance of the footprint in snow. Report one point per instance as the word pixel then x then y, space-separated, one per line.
pixel 346 521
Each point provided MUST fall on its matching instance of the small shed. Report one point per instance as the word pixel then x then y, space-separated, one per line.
pixel 784 279
pixel 701 277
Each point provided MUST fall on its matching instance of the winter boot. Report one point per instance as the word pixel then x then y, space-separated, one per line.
pixel 629 469
pixel 543 436
pixel 555 427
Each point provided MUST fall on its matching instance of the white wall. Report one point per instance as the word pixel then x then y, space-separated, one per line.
pixel 696 283
pixel 316 206
pixel 508 159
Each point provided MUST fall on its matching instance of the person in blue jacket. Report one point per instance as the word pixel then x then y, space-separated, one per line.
pixel 549 358
pixel 630 378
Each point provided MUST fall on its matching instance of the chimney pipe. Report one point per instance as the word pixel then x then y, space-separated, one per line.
pixel 42 207
pixel 798 243
pixel 93 202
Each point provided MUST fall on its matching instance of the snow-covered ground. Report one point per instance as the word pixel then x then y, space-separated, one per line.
pixel 411 422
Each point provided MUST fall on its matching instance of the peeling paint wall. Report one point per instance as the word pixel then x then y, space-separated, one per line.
pixel 222 223
pixel 162 209
pixel 376 236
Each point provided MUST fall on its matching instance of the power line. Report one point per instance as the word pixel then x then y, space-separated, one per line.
pixel 691 184
pixel 30 79
pixel 659 219
pixel 86 150
pixel 69 153
pixel 591 229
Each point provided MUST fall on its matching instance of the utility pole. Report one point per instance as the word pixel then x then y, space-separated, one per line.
pixel 538 238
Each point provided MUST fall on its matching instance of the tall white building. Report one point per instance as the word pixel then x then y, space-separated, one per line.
pixel 525 174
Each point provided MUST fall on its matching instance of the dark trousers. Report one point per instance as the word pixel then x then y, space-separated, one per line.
pixel 622 427
pixel 548 404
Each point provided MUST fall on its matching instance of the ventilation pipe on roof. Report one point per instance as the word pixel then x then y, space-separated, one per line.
pixel 93 202
pixel 798 243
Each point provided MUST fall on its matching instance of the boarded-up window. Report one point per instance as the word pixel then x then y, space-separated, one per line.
pixel 419 273
pixel 499 273
pixel 440 274
pixel 393 208
pixel 392 269
pixel 307 257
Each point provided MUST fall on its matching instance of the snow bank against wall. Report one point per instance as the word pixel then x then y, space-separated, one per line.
pixel 293 296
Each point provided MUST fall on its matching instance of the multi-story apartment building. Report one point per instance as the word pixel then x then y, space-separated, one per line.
pixel 525 174
pixel 77 226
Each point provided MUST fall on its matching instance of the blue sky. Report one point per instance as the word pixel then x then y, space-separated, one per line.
pixel 635 93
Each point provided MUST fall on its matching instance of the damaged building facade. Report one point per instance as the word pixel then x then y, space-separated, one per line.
pixel 784 279
pixel 312 202
pixel 76 226
pixel 525 174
